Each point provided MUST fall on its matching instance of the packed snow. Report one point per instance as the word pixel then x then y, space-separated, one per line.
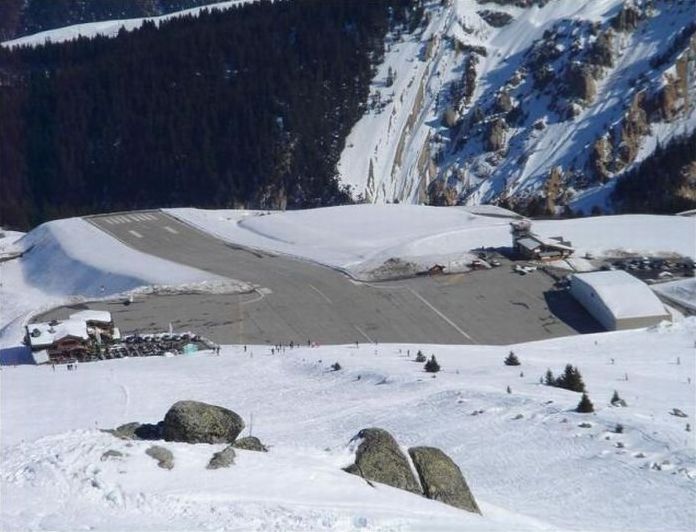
pixel 67 261
pixel 109 28
pixel 530 460
pixel 360 238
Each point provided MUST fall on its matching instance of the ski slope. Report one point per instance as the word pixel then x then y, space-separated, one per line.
pixel 531 462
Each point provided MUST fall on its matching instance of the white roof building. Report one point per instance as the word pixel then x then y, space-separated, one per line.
pixel 618 300
pixel 44 334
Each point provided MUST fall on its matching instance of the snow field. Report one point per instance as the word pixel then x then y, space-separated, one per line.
pixel 525 456
pixel 359 238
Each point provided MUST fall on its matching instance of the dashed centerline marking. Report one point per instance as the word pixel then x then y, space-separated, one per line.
pixel 322 294
pixel 135 233
pixel 431 307
pixel 172 231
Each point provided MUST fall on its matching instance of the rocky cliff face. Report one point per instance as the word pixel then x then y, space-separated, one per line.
pixel 545 104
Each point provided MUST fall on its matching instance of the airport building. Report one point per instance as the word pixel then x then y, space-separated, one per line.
pixel 618 300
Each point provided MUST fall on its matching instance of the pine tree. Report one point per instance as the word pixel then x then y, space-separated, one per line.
pixel 549 379
pixel 390 77
pixel 420 357
pixel 570 380
pixel 431 366
pixel 512 360
pixel 336 366
pixel 585 406
pixel 509 390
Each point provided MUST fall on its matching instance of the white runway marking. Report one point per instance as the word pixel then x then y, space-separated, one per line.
pixel 109 221
pixel 260 296
pixel 427 303
pixel 322 294
pixel 172 231
pixel 138 217
pixel 135 233
pixel 123 219
pixel 149 217
pixel 364 334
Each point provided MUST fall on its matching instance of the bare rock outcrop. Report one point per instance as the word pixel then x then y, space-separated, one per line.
pixel 442 195
pixel 627 19
pixel 581 83
pixel 379 459
pixel 634 126
pixel 441 478
pixel 495 136
pixel 600 158
pixel 602 53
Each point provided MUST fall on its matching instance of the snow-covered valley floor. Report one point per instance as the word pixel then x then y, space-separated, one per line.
pixel 524 455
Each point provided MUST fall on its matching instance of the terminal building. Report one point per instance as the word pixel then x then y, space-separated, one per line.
pixel 530 246
pixel 71 339
pixel 617 300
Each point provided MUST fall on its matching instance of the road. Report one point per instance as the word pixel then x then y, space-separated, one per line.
pixel 301 301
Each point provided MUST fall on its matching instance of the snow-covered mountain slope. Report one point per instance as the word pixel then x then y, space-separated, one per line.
pixel 530 460
pixel 109 28
pixel 491 101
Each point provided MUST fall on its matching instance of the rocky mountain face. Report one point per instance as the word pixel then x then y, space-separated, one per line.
pixel 536 105
pixel 24 17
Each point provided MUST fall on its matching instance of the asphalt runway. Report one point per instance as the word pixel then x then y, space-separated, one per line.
pixel 302 301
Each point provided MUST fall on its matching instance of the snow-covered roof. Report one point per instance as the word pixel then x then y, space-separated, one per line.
pixel 47 333
pixel 101 316
pixel 624 295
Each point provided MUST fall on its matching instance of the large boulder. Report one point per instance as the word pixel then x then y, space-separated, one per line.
pixel 441 478
pixel 224 458
pixel 250 443
pixel 195 422
pixel 379 459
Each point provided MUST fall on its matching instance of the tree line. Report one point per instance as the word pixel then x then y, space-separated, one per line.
pixel 244 107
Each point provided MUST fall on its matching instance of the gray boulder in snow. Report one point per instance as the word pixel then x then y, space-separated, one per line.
pixel 441 478
pixel 195 422
pixel 379 459
pixel 164 457
pixel 250 443
pixel 224 458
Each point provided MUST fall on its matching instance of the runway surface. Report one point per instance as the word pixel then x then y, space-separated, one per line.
pixel 300 301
